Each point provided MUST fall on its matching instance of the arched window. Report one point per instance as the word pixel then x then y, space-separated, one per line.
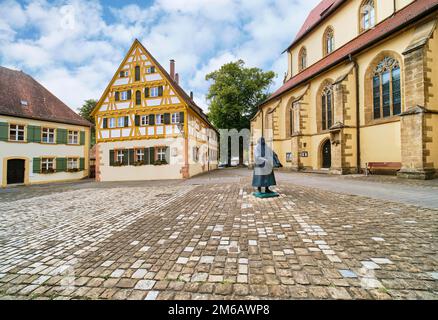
pixel 137 73
pixel 302 59
pixel 138 97
pixel 367 15
pixel 327 107
pixel 329 41
pixel 386 89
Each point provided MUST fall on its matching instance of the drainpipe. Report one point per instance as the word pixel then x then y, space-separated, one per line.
pixel 263 125
pixel 394 6
pixel 356 68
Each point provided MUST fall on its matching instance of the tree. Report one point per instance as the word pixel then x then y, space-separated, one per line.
pixel 235 94
pixel 85 112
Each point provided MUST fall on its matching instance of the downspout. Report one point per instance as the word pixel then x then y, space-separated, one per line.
pixel 263 125
pixel 394 6
pixel 358 140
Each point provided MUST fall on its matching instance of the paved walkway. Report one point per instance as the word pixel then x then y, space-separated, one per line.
pixel 209 238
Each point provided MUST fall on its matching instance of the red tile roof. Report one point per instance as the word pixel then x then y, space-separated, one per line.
pixel 16 86
pixel 316 16
pixel 401 19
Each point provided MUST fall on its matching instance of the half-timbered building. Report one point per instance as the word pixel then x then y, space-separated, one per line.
pixel 148 127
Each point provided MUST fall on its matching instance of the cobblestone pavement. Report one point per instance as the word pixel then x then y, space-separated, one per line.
pixel 209 238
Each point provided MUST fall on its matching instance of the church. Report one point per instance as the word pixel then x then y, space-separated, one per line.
pixel 361 91
pixel 148 127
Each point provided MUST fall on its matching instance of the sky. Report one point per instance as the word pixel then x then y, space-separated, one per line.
pixel 74 47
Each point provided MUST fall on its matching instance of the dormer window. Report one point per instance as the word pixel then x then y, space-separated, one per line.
pixel 24 103
pixel 367 15
pixel 302 59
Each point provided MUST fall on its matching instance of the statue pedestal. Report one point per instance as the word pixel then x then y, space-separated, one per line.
pixel 263 195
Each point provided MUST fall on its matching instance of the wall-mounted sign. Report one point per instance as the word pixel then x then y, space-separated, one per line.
pixel 304 154
pixel 289 157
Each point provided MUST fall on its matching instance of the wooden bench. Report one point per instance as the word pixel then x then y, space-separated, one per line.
pixel 383 166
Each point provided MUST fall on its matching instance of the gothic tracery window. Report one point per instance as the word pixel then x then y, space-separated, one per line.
pixel 329 41
pixel 327 108
pixel 367 15
pixel 302 59
pixel 387 89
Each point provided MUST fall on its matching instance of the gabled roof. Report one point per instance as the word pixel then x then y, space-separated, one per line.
pixel 406 16
pixel 16 86
pixel 172 82
pixel 315 17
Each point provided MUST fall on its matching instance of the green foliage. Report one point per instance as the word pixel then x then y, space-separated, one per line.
pixel 235 94
pixel 85 112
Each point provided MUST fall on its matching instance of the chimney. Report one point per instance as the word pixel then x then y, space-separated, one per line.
pixel 177 78
pixel 172 69
pixel 191 95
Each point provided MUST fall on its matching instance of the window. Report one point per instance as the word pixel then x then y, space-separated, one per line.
pixel 124 74
pixel 73 137
pixel 154 92
pixel 161 154
pixel 47 165
pixel 121 122
pixel 138 97
pixel 150 70
pixel 144 120
pixel 119 156
pixel 139 155
pixel 72 163
pixel 126 95
pixel 386 89
pixel 137 73
pixel 367 15
pixel 329 41
pixel 16 132
pixel 195 154
pixel 327 108
pixel 175 118
pixel 159 119
pixel 112 123
pixel 302 59
pixel 48 135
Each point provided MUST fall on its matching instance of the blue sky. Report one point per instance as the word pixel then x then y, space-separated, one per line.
pixel 74 47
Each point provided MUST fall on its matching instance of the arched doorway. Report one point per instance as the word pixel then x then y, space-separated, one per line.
pixel 16 171
pixel 326 155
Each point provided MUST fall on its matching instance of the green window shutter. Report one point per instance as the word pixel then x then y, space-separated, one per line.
pixel 168 155
pixel 82 138
pixel 146 92
pixel 152 69
pixel 146 156
pixel 82 164
pixel 129 94
pixel 152 155
pixel 125 157
pixel 167 118
pixel 117 96
pixel 131 157
pixel 36 165
pixel 34 134
pixel 61 164
pixel 160 91
pixel 151 119
pixel 105 123
pixel 4 131
pixel 137 121
pixel 61 136
pixel 111 158
pixel 126 122
pixel 181 117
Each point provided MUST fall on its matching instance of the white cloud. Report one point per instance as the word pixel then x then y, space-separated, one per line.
pixel 74 49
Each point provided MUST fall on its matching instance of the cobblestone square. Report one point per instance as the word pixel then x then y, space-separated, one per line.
pixel 209 238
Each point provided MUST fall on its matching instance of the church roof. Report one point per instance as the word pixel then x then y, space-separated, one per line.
pixel 396 22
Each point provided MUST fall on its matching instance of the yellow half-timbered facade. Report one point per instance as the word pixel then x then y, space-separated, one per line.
pixel 148 128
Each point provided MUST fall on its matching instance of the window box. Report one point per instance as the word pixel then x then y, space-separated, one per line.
pixel 73 170
pixel 139 163
pixel 160 163
pixel 118 164
pixel 48 171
